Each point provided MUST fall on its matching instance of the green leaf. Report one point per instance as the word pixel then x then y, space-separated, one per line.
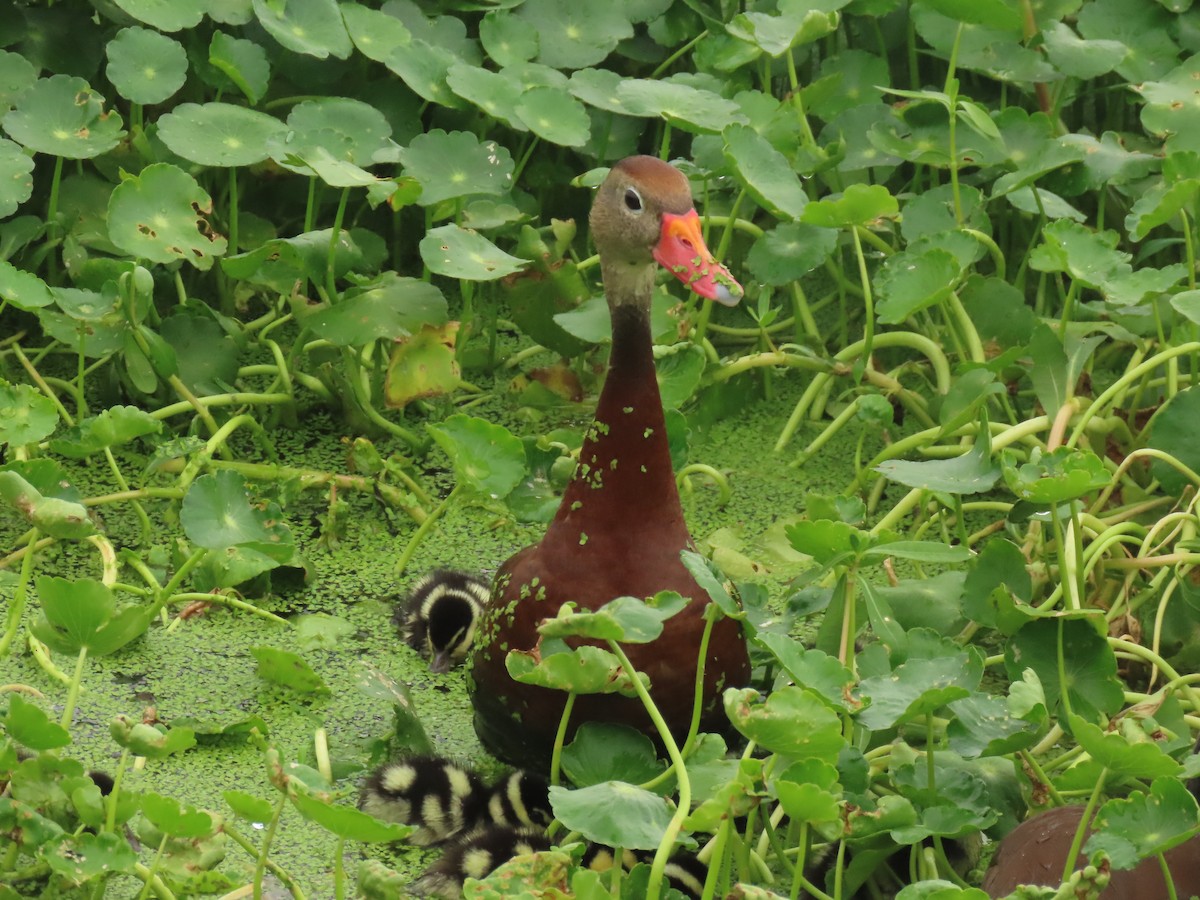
pixel 688 108
pixel 983 726
pixel 460 253
pixel 218 134
pixel 241 61
pixel 159 215
pixel 349 823
pixel 249 807
pixel 765 171
pixel 584 670
pixel 972 473
pixel 790 720
pixel 155 742
pixel 487 458
pixel 57 517
pixel 996 581
pixel 288 669
pixel 679 370
pixel 1089 664
pixel 29 725
pixel 629 620
pixel 165 15
pixel 16 181
pixel 613 814
pixel 507 39
pixel 859 204
pixel 407 727
pixel 1150 823
pixel 145 66
pixel 495 93
pixel 817 671
pixel 25 415
pixel 1174 430
pixel 423 365
pixel 84 613
pixel 555 116
pixel 216 513
pixel 606 751
pixel 919 687
pixel 789 251
pixel 1085 255
pixel 1144 759
pixel 349 131
pixel 573 35
pixel 388 307
pixel 799 23
pixel 79 858
pixel 1049 479
pixel 909 282
pixel 309 27
pixel 113 427
pixel 62 116
pixel 456 164
pixel 170 817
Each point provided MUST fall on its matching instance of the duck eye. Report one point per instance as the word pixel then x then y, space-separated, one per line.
pixel 633 200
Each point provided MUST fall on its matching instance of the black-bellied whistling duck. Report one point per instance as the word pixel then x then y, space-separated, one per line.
pixel 1035 852
pixel 619 529
pixel 438 619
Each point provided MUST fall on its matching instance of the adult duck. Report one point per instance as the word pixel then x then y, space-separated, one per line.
pixel 619 529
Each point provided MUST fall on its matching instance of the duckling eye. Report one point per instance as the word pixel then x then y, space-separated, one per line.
pixel 633 200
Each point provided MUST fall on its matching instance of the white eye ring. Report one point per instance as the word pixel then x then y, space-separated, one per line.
pixel 633 200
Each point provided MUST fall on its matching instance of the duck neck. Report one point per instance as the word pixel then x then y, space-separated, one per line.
pixel 624 487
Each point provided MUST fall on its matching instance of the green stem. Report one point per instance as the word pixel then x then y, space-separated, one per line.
pixel 260 868
pixel 331 259
pixel 21 595
pixel 560 738
pixel 1084 821
pixel 423 529
pixel 73 689
pixel 278 871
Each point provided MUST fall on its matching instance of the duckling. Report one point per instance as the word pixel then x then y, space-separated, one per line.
pixel 438 620
pixel 475 856
pixel 441 798
pixel 445 800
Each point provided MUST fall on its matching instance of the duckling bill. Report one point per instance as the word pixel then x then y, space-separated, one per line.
pixel 440 616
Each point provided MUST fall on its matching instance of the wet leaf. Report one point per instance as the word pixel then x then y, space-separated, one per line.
pixel 613 813
pixel 145 66
pixel 789 251
pixel 456 164
pixel 919 687
pixel 765 172
pixel 62 116
pixel 459 253
pixel 243 62
pixel 309 27
pixel 487 458
pixel 909 282
pixel 859 204
pixel 388 308
pixel 218 134
pixel 289 670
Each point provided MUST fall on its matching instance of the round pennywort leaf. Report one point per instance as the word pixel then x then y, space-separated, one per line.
pixel 159 215
pixel 145 66
pixel 62 116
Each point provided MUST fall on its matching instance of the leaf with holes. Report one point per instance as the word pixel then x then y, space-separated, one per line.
pixel 62 116
pixel 159 215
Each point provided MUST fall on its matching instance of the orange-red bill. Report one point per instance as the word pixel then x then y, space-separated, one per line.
pixel 681 250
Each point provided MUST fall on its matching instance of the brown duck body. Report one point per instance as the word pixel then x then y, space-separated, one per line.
pixel 1035 852
pixel 618 532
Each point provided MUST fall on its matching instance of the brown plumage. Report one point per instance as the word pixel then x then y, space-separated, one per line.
pixel 620 528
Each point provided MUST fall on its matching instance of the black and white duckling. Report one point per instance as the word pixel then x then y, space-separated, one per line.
pixel 444 799
pixel 439 797
pixel 438 620
pixel 475 856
